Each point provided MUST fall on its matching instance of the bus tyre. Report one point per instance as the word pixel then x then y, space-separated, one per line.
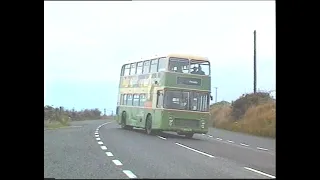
pixel 189 135
pixel 149 125
pixel 123 121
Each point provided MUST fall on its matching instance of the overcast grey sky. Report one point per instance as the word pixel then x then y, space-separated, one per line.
pixel 85 44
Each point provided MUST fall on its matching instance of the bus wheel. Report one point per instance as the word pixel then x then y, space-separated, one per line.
pixel 123 121
pixel 149 124
pixel 189 135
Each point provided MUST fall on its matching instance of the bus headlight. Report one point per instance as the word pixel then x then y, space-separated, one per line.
pixel 202 124
pixel 170 121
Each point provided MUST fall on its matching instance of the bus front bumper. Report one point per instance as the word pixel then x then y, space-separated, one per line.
pixel 186 130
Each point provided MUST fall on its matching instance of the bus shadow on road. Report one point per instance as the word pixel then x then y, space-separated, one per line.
pixel 169 135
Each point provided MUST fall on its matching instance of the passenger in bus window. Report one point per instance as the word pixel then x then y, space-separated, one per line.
pixel 194 70
pixel 200 70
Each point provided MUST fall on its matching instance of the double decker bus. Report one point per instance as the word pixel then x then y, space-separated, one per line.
pixel 165 93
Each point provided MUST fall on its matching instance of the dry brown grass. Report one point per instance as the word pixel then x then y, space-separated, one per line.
pixel 220 115
pixel 258 120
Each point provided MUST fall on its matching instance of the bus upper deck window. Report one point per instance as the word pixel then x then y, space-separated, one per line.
pixel 154 66
pixel 146 67
pixel 200 67
pixel 179 65
pixel 139 67
pixel 162 64
pixel 133 69
pixel 127 70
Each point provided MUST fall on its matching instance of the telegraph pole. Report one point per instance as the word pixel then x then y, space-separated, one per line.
pixel 254 63
pixel 216 94
pixel 104 111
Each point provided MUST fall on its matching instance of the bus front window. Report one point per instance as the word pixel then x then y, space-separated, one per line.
pixel 200 67
pixel 176 100
pixel 199 101
pixel 184 100
pixel 179 65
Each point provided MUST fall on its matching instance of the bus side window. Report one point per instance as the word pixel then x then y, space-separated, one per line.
pixel 136 100
pixel 139 67
pixel 160 99
pixel 146 67
pixel 154 66
pixel 124 99
pixel 127 70
pixel 122 70
pixel 133 69
pixel 162 64
pixel 142 100
pixel 121 99
pixel 129 99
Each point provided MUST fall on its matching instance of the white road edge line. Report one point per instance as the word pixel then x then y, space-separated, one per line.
pixel 194 150
pixel 100 142
pixel 162 137
pixel 98 139
pixel 219 139
pixel 129 174
pixel 109 154
pixel 103 147
pixel 242 144
pixel 230 141
pixel 260 148
pixel 117 162
pixel 259 172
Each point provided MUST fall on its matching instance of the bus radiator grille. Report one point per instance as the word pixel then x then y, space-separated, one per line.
pixel 186 123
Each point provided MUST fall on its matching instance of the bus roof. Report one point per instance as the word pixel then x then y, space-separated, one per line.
pixel 187 56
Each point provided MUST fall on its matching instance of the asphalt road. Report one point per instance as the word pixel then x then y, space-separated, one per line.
pixel 100 149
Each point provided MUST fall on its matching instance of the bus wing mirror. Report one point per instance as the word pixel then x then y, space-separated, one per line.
pixel 117 110
pixel 211 98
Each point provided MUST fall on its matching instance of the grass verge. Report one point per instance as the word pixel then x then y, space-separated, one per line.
pixel 57 122
pixel 258 120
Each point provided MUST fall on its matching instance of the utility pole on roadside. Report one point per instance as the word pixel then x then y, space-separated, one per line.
pixel 216 100
pixel 254 62
pixel 104 111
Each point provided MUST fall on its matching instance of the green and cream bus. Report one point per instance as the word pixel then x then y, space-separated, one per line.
pixel 165 93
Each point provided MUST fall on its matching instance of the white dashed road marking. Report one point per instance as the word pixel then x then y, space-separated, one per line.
pixel 260 148
pixel 103 147
pixel 244 144
pixel 230 141
pixel 210 135
pixel 129 174
pixel 162 137
pixel 109 154
pixel 259 172
pixel 203 153
pixel 117 162
pixel 219 139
